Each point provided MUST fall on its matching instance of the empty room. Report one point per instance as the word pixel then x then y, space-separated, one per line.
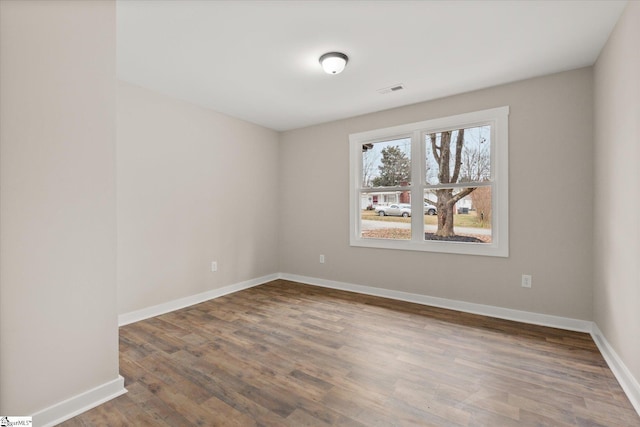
pixel 319 213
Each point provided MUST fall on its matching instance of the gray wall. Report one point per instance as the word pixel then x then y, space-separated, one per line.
pixel 551 199
pixel 58 320
pixel 194 186
pixel 617 189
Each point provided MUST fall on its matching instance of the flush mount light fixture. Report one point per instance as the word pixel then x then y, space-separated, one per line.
pixel 333 62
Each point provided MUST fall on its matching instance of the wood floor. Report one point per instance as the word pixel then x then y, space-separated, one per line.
pixel 286 354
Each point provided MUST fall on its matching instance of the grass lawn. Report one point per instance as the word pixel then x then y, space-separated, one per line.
pixel 403 234
pixel 459 220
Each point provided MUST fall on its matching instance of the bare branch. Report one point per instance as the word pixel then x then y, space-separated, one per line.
pixel 445 155
pixel 431 202
pixel 434 147
pixel 460 195
pixel 459 144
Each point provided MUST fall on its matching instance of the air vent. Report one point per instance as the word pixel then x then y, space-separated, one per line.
pixel 390 89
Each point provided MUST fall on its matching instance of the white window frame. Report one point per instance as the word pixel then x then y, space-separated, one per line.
pixel 498 119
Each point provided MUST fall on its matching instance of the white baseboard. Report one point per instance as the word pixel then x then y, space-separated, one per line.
pixel 156 310
pixel 627 381
pixel 467 307
pixel 80 403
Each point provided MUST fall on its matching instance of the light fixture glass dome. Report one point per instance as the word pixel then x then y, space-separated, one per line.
pixel 333 62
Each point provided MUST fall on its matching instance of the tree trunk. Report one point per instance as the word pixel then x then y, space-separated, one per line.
pixel 445 213
pixel 446 200
pixel 446 205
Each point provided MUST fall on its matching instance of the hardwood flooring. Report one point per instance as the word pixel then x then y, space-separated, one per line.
pixel 286 354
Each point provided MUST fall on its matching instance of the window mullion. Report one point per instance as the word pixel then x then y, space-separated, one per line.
pixel 417 183
pixel 489 198
pixel 459 185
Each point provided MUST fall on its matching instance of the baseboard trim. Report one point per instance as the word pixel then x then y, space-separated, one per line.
pixel 80 403
pixel 156 310
pixel 627 381
pixel 467 307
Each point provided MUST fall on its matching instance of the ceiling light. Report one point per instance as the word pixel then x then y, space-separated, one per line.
pixel 333 62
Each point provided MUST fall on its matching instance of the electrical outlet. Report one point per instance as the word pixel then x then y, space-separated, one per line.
pixel 321 259
pixel 526 280
pixel 214 265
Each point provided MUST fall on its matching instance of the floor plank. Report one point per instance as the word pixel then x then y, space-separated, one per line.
pixel 287 354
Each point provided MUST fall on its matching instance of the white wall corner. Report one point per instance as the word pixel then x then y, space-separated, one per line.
pixel 167 307
pixel 80 403
pixel 627 381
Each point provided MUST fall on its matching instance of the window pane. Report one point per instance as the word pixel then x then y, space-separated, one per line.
pixel 462 155
pixel 387 163
pixel 392 221
pixel 461 177
pixel 467 220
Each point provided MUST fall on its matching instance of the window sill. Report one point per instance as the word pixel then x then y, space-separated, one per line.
pixel 488 249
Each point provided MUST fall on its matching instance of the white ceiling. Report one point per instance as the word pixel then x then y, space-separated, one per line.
pixel 258 60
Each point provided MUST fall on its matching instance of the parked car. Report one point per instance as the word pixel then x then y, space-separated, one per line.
pixel 430 209
pixel 401 209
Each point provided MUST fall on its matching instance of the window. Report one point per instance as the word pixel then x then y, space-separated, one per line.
pixel 439 185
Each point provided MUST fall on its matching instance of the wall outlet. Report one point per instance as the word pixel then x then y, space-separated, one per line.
pixel 214 265
pixel 321 259
pixel 526 280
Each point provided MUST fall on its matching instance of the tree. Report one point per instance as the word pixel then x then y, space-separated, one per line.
pixel 481 199
pixel 476 163
pixel 395 168
pixel 369 160
pixel 446 198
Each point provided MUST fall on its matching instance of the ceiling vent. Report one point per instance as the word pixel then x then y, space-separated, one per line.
pixel 390 89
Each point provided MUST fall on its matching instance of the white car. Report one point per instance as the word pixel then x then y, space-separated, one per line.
pixel 430 209
pixel 401 209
